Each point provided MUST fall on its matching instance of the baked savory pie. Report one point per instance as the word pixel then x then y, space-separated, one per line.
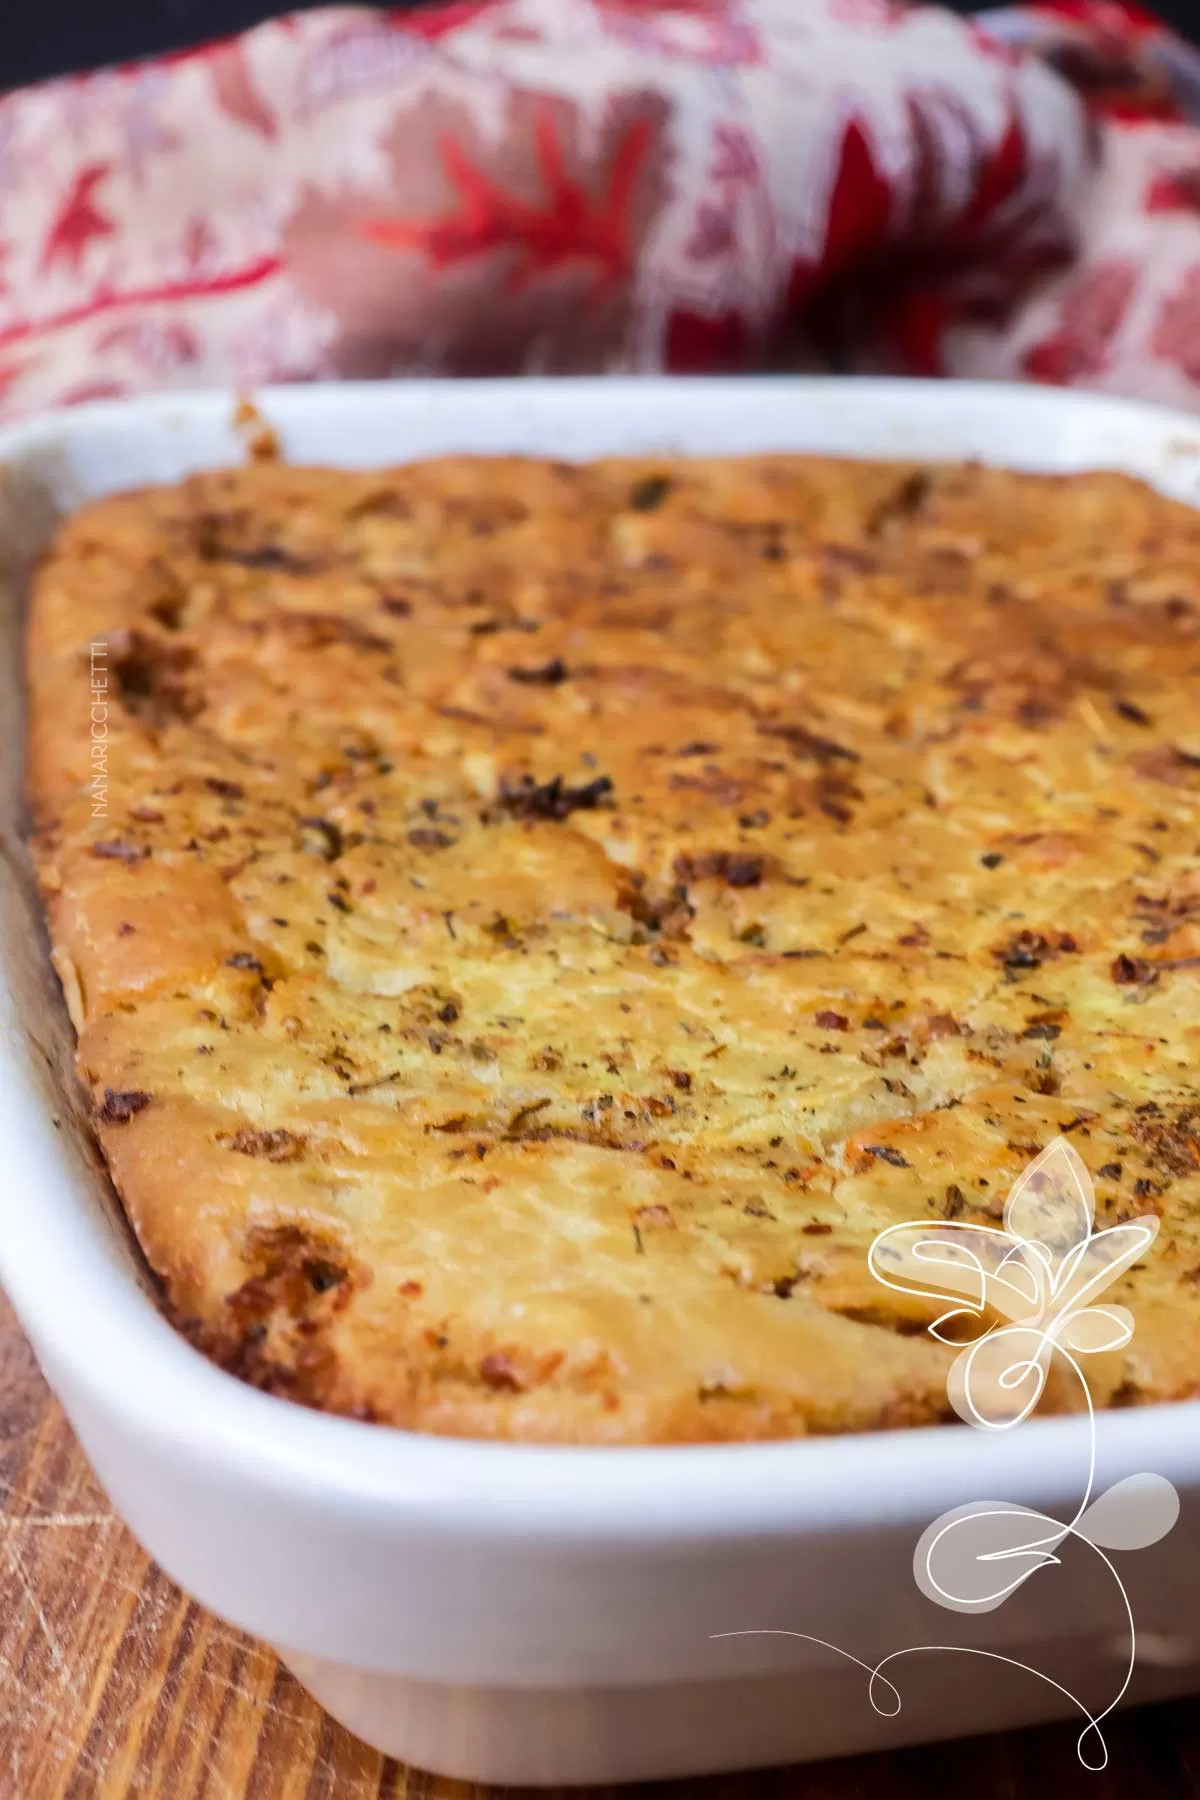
pixel 543 922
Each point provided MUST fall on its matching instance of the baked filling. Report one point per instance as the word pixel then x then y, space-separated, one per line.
pixel 542 922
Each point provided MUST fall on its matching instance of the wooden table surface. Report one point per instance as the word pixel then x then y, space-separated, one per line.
pixel 115 1684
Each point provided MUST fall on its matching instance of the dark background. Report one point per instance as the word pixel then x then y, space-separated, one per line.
pixel 50 37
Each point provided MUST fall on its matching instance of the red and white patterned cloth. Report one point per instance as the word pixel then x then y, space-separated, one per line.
pixel 528 185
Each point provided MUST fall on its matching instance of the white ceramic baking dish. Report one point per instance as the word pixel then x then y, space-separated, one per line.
pixel 527 1614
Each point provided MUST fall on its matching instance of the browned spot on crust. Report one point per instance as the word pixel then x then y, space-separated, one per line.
pixel 729 866
pixel 554 799
pixel 279 1145
pixel 1132 971
pixel 154 679
pixel 120 1104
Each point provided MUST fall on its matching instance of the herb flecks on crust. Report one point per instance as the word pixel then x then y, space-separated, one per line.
pixel 539 924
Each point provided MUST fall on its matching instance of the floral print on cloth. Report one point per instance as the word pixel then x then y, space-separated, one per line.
pixel 501 186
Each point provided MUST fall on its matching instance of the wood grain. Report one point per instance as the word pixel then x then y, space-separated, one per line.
pixel 115 1686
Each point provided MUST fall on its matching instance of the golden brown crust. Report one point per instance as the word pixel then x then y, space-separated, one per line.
pixel 544 921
